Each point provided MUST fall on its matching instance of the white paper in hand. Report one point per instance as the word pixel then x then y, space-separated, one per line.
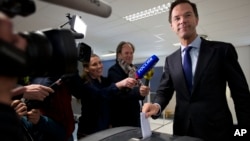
pixel 145 126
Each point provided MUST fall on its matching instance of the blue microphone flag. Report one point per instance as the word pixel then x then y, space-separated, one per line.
pixel 146 66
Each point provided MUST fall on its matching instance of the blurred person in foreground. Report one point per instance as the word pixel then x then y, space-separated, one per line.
pixel 11 128
pixel 51 117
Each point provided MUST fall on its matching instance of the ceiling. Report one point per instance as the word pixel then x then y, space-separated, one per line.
pixel 224 20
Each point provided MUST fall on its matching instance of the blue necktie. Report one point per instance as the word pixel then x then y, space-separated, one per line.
pixel 187 67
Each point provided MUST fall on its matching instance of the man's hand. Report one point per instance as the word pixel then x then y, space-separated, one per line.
pixel 34 115
pixel 144 90
pixel 20 107
pixel 150 109
pixel 37 92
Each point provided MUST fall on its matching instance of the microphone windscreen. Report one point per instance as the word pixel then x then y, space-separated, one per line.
pixel 146 66
pixel 95 7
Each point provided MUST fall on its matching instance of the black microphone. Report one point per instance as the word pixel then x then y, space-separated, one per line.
pixel 95 7
pixel 148 76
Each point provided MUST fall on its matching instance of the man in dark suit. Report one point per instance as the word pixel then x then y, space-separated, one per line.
pixel 201 107
pixel 125 106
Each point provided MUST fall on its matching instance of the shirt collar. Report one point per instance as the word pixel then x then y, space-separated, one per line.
pixel 195 44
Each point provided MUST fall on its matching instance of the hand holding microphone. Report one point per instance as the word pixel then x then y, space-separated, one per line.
pixel 126 83
pixel 145 68
pixel 146 71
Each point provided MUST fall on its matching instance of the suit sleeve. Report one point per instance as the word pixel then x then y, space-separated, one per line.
pixel 238 86
pixel 165 90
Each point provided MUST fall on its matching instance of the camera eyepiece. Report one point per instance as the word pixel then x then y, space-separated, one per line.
pixel 17 7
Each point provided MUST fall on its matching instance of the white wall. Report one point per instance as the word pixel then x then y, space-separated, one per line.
pixel 244 60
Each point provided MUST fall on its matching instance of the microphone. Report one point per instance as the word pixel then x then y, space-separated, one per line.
pixel 148 76
pixel 144 69
pixel 146 66
pixel 95 7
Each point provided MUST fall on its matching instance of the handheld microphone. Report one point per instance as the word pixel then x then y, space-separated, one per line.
pixel 95 7
pixel 148 76
pixel 146 66
pixel 144 69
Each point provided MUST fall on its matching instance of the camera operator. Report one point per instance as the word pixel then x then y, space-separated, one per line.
pixel 9 121
pixel 51 119
pixel 45 54
pixel 11 128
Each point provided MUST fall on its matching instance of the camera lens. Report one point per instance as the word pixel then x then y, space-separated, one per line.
pixel 51 52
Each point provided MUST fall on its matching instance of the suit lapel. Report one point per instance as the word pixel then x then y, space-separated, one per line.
pixel 178 74
pixel 205 54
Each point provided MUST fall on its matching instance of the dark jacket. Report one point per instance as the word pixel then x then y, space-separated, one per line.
pixel 205 113
pixel 95 100
pixel 11 128
pixel 125 104
pixel 57 106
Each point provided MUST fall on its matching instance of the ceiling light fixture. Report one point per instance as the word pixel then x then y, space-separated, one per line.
pixel 177 44
pixel 149 12
pixel 108 55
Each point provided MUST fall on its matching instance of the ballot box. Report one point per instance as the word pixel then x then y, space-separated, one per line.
pixel 133 134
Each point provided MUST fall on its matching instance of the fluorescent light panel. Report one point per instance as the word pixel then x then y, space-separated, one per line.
pixel 149 12
pixel 110 54
pixel 177 44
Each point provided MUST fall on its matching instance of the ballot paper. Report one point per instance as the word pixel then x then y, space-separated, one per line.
pixel 145 126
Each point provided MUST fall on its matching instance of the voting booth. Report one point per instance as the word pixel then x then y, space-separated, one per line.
pixel 133 134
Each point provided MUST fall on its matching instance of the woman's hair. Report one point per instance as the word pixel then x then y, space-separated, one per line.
pixel 85 75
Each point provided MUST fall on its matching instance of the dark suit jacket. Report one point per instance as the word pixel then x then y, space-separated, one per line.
pixel 125 104
pixel 204 113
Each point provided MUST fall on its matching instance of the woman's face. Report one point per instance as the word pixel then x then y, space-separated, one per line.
pixel 95 68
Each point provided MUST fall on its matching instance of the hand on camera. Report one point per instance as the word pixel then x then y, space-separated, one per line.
pixel 37 92
pixel 34 115
pixel 20 107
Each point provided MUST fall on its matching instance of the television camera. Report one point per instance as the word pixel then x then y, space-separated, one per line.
pixel 49 52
